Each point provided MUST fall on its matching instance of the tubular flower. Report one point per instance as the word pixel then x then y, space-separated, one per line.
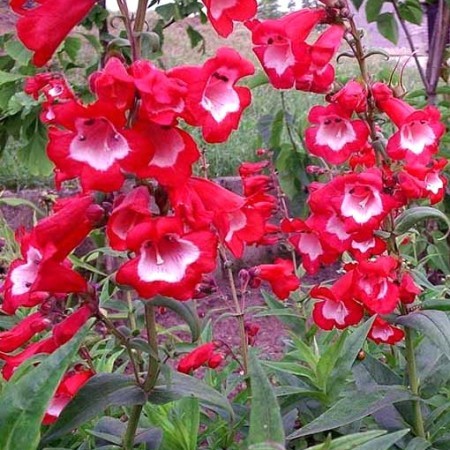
pixel 205 354
pixel 94 146
pixel 419 131
pixel 222 13
pixel 383 332
pixel 44 24
pixel 320 74
pixel 334 137
pixel 280 275
pixel 375 284
pixel 71 383
pixel 61 333
pixel 129 210
pixel 114 84
pixel 308 242
pixel 22 332
pixel 335 307
pixel 358 199
pixel 165 153
pixel 162 95
pixel 280 47
pixel 168 260
pixel 238 220
pixel 213 101
pixel 43 267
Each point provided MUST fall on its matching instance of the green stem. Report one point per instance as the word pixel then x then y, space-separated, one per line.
pixel 239 312
pixel 151 378
pixel 414 382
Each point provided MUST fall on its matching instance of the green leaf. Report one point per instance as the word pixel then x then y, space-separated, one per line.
pixel 7 77
pixel 195 37
pixel 388 27
pixel 18 52
pixel 353 408
pixel 266 425
pixel 410 217
pixel 290 367
pixel 277 130
pixel 267 446
pixel 384 442
pixel 100 392
pixel 72 45
pixel 435 325
pixel 440 304
pixel 184 310
pixel 33 155
pixel 150 43
pixel 23 402
pixel 260 79
pixel 411 11
pixel 418 443
pixel 352 346
pixel 167 11
pixel 360 440
pixel 179 385
pixel 373 9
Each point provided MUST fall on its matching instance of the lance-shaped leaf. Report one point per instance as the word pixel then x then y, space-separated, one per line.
pixel 266 425
pixel 23 402
pixel 433 324
pixel 184 311
pixel 353 408
pixel 410 217
pixel 100 392
pixel 178 385
pixel 369 440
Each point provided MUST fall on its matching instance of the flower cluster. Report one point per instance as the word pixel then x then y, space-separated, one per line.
pixel 354 211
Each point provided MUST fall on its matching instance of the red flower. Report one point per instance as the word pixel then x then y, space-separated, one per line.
pixel 238 220
pixel 22 332
pixel 280 275
pixel 222 13
pixel 165 153
pixel 94 145
pixel 335 137
pixel 352 97
pixel 307 241
pixel 418 181
pixel 408 289
pixel 335 307
pixel 320 74
pixel 114 84
pixel 374 283
pixel 168 261
pixel 43 268
pixel 62 333
pixel 45 24
pixel 213 102
pixel 163 96
pixel 357 198
pixel 419 130
pixel 280 47
pixel 384 333
pixel 128 211
pixel 69 386
pixel 205 354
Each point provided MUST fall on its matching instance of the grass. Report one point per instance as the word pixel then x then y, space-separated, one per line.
pixel 223 159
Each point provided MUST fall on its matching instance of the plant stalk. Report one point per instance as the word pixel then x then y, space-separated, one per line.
pixel 414 382
pixel 151 378
pixel 239 312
